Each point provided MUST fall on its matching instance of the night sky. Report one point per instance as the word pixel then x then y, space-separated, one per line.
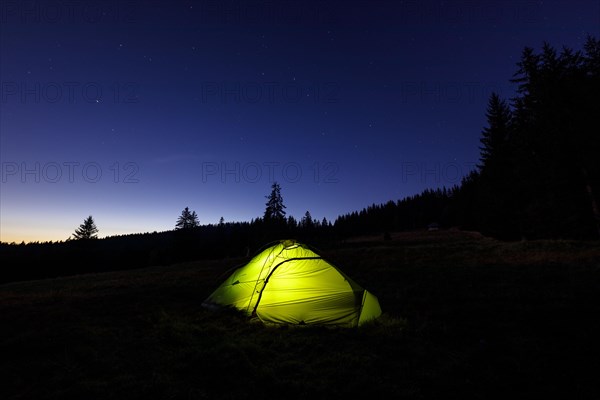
pixel 130 111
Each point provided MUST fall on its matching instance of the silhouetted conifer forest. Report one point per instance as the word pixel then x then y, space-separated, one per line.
pixel 538 178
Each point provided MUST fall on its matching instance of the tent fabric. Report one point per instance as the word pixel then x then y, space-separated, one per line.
pixel 288 283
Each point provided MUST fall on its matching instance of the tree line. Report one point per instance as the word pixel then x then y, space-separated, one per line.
pixel 83 252
pixel 538 177
pixel 539 170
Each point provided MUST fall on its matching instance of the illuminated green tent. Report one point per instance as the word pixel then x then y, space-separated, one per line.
pixel 290 284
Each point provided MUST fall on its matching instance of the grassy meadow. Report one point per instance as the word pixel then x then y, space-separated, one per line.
pixel 464 317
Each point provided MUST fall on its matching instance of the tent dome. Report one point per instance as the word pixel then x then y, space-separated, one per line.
pixel 288 283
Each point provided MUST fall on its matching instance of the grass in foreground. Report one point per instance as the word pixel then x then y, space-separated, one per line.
pixel 463 316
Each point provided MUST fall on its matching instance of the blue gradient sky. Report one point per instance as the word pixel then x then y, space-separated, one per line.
pixel 130 111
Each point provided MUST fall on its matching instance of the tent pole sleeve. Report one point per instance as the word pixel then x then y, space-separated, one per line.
pixel 271 273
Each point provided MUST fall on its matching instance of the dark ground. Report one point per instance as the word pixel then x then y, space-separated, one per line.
pixel 464 317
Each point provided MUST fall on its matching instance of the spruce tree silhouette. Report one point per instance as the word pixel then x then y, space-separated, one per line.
pixel 274 211
pixel 307 221
pixel 495 205
pixel 188 219
pixel 87 230
pixel 495 136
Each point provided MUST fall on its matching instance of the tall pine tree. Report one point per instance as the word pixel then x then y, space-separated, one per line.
pixel 492 211
pixel 188 219
pixel 494 137
pixel 87 230
pixel 274 211
pixel 307 221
